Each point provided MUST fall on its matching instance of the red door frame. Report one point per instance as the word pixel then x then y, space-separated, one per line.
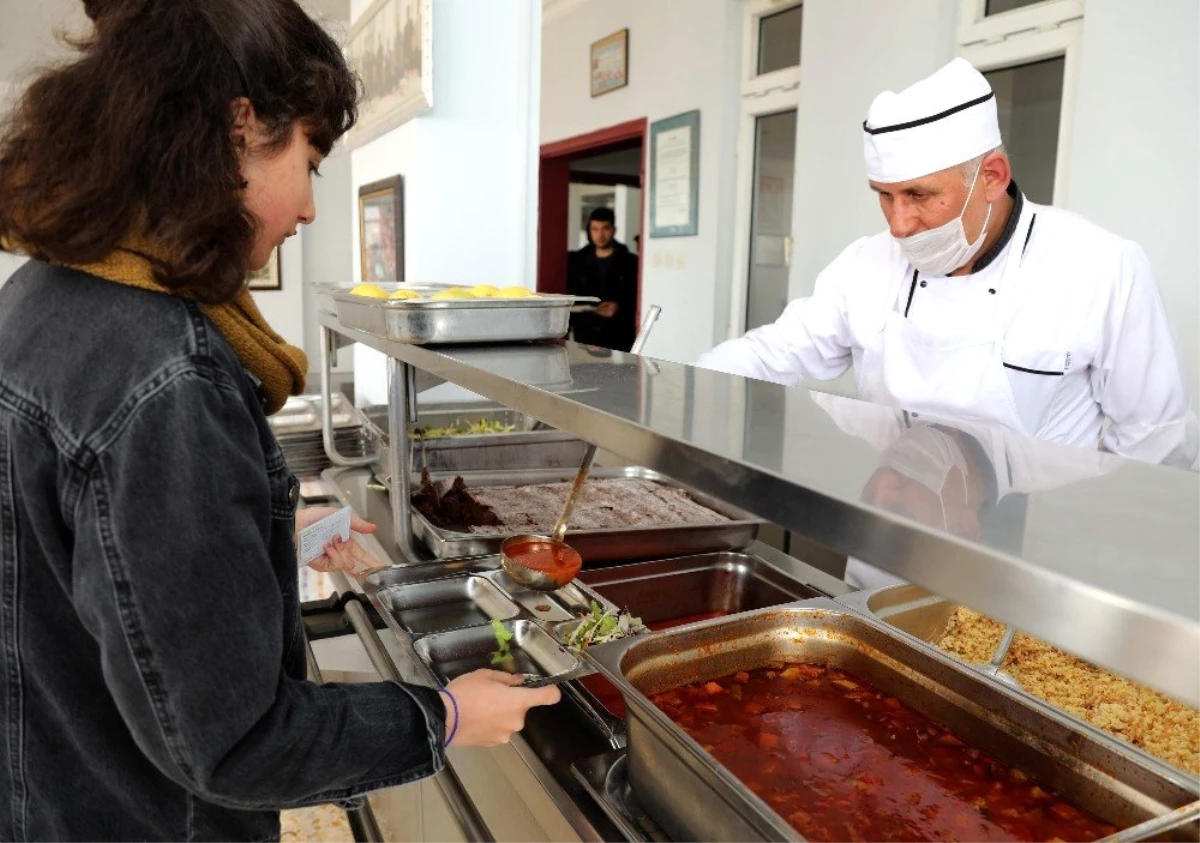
pixel 554 178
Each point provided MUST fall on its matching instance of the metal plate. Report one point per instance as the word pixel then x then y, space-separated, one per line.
pixel 662 593
pixel 422 608
pixel 452 654
pixel 606 545
pixel 551 607
pixel 693 797
pixel 424 322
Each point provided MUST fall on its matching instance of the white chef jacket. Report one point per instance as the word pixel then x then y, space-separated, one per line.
pixel 1021 465
pixel 1083 336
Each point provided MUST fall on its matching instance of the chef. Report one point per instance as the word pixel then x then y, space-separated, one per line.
pixel 978 304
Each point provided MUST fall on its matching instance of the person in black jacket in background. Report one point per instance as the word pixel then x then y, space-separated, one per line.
pixel 606 269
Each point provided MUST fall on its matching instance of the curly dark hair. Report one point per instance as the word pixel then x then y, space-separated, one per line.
pixel 134 136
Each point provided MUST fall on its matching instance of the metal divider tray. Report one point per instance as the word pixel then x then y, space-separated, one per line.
pixel 605 545
pixel 694 797
pixel 482 320
pixel 445 611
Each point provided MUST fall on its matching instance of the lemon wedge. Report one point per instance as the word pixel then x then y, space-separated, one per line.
pixel 517 293
pixel 485 291
pixel 405 294
pixel 370 291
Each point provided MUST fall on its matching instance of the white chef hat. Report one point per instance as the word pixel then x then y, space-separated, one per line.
pixel 936 123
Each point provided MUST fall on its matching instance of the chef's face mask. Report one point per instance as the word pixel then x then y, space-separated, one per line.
pixel 941 250
pixel 926 455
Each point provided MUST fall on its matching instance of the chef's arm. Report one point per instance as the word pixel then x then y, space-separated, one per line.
pixel 811 340
pixel 1138 377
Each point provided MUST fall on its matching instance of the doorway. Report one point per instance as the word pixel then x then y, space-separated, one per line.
pixel 605 168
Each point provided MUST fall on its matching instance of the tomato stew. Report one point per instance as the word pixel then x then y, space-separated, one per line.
pixel 841 760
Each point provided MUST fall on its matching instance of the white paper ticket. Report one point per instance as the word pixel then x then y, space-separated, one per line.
pixel 314 537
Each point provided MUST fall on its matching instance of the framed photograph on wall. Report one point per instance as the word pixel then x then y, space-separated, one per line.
pixel 381 230
pixel 269 277
pixel 391 47
pixel 675 175
pixel 610 63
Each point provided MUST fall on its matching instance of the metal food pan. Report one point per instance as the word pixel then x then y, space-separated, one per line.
pixel 608 545
pixel 695 798
pixel 423 321
pixel 664 593
pixel 924 616
pixel 452 654
pixel 440 605
pixel 527 446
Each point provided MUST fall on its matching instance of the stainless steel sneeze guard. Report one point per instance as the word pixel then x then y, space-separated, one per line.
pixel 1102 563
pixel 693 797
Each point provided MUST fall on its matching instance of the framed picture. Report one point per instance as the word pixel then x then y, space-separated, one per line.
pixel 610 63
pixel 675 175
pixel 269 277
pixel 381 230
pixel 391 47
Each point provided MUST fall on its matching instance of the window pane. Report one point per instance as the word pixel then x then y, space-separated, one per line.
pixel 771 223
pixel 779 40
pixel 998 7
pixel 1029 104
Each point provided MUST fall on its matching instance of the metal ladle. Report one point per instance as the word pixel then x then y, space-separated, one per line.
pixel 565 560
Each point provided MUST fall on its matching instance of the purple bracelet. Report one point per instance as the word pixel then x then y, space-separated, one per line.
pixel 454 705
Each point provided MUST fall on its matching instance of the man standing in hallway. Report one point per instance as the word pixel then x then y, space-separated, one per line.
pixel 606 269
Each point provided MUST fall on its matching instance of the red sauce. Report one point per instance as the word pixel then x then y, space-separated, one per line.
pixel 682 620
pixel 841 760
pixel 559 563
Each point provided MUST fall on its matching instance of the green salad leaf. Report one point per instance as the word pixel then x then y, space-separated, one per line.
pixel 603 625
pixel 502 656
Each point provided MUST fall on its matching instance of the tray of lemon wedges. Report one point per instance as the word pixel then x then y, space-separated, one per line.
pixel 427 314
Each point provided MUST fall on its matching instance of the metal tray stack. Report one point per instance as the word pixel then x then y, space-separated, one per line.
pixel 607 545
pixel 482 320
pixel 693 797
pixel 298 429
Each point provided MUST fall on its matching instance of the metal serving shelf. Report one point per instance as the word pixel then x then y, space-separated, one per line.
pixel 1100 559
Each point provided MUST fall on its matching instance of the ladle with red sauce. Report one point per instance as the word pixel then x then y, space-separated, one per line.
pixel 547 563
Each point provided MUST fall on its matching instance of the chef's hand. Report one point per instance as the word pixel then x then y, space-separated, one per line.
pixel 490 708
pixel 339 556
pixel 607 309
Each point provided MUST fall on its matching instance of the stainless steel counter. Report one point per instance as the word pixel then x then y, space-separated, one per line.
pixel 1093 553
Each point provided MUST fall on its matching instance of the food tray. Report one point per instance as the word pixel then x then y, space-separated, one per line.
pixel 526 446
pixel 922 616
pixel 674 592
pixel 608 545
pixel 447 604
pixel 694 798
pixel 535 653
pixel 541 317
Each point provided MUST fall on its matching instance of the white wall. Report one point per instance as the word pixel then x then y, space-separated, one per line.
pixel 469 164
pixel 284 308
pixel 1135 157
pixel 843 65
pixel 683 55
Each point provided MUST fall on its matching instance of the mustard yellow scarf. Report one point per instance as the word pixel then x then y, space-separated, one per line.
pixel 280 367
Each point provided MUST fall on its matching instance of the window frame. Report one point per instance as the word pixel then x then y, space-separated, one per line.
pixel 1046 30
pixel 762 95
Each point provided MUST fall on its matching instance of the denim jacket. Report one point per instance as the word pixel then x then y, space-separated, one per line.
pixel 152 668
